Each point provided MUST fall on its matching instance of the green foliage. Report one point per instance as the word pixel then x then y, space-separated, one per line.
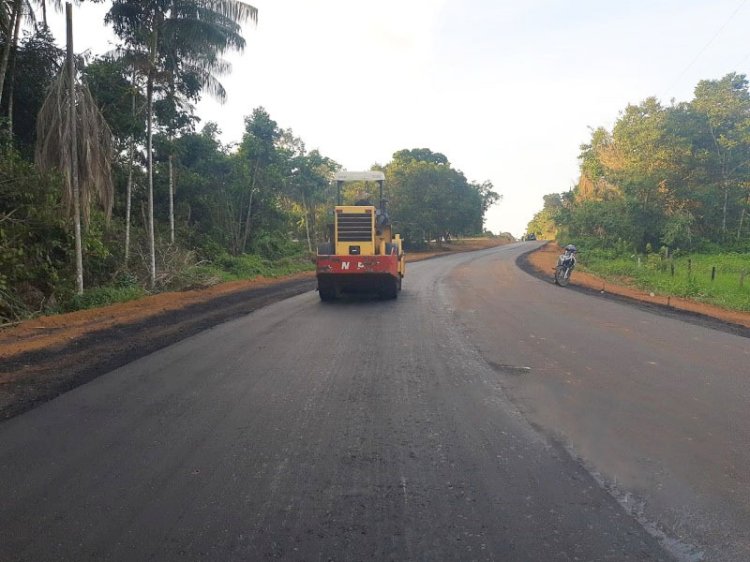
pixel 674 176
pixel 274 247
pixel 249 266
pixel 103 296
pixel 692 274
pixel 36 62
pixel 543 223
pixel 243 267
pixel 109 81
pixel 430 199
pixel 36 247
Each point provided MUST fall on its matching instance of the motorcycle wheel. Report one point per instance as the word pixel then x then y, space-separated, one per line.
pixel 562 275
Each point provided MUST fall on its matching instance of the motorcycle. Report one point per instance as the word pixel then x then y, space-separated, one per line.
pixel 565 265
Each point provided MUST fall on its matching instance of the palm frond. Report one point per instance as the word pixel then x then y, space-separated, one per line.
pixel 219 20
pixel 210 83
pixel 195 35
pixel 130 57
pixel 57 4
pixel 95 153
pixel 95 146
pixel 217 66
pixel 233 9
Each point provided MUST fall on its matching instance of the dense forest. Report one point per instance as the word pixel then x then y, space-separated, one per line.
pixel 674 177
pixel 111 186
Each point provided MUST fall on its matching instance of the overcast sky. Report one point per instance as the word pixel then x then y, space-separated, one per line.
pixel 506 90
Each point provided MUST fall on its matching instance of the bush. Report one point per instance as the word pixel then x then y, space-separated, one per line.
pixel 244 266
pixel 102 296
pixel 36 246
pixel 271 246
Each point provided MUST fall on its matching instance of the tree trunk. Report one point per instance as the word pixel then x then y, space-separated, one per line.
pixel 150 157
pixel 172 87
pixel 14 17
pixel 4 20
pixel 248 224
pixel 171 198
pixel 11 83
pixel 248 218
pixel 233 222
pixel 73 173
pixel 129 200
pixel 722 160
pixel 129 188
pixel 742 216
pixel 307 223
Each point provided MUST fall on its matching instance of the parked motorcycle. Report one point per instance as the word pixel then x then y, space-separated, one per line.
pixel 565 265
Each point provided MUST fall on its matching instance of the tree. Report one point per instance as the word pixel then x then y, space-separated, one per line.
pixel 204 178
pixel 725 107
pixel 420 155
pixel 114 82
pixel 198 31
pixel 37 61
pixel 73 137
pixel 543 224
pixel 431 199
pixel 256 160
pixel 11 12
pixel 308 176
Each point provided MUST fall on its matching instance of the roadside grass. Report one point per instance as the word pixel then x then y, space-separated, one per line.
pixel 102 296
pixel 719 279
pixel 190 276
pixel 250 266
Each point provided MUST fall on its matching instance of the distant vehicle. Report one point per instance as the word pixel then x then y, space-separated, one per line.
pixel 531 236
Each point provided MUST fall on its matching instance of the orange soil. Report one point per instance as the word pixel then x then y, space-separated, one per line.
pixel 53 331
pixel 544 260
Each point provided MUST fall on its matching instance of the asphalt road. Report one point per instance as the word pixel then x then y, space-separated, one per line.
pixel 655 406
pixel 415 429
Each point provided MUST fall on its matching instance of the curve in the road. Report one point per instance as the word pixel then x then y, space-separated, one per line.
pixel 655 406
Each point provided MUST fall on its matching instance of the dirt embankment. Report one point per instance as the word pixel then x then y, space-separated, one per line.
pixel 46 356
pixel 544 259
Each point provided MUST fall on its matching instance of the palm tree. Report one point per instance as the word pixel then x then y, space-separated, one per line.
pixel 73 137
pixel 57 4
pixel 195 32
pixel 11 13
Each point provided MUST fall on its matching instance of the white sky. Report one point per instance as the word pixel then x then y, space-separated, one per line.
pixel 506 90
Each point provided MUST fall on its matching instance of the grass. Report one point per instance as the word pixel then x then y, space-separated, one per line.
pixel 102 296
pixel 248 266
pixel 685 276
pixel 225 268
